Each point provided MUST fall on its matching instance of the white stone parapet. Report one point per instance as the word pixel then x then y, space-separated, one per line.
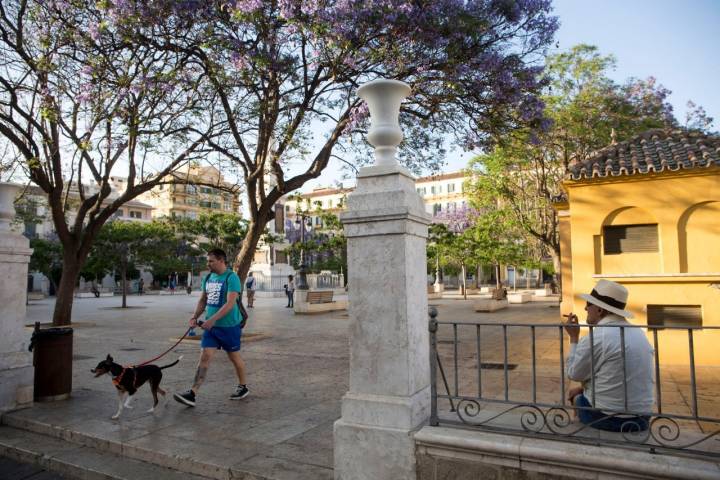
pixel 16 371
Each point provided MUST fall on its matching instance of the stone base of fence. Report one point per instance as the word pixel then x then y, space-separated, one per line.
pixel 443 452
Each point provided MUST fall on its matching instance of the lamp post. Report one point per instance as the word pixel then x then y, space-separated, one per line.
pixel 301 283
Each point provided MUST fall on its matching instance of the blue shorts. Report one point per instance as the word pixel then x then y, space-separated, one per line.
pixel 225 338
pixel 601 421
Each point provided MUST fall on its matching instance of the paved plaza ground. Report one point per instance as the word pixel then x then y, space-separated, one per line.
pixel 297 375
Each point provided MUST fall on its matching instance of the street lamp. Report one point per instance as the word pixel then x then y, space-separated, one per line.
pixel 301 283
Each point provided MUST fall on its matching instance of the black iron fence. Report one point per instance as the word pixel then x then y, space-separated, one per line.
pixel 510 377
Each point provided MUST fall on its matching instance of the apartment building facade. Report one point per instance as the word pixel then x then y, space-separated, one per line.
pixel 201 190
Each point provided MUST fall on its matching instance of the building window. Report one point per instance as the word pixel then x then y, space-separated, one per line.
pixel 329 203
pixel 630 238
pixel 318 221
pixel 227 206
pixel 674 315
pixel 439 188
pixel 287 209
pixel 119 213
pixel 437 208
pixel 191 189
pixel 30 230
pixel 206 190
pixel 451 187
pixel 422 190
pixel 135 214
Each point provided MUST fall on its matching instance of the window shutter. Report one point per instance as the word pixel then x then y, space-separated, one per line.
pixel 674 315
pixel 630 238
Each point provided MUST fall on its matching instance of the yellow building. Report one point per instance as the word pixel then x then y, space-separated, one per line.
pixel 646 213
pixel 203 190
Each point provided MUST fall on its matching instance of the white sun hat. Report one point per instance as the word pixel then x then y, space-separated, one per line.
pixel 609 295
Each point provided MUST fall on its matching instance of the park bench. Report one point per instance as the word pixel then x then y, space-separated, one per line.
pixel 323 296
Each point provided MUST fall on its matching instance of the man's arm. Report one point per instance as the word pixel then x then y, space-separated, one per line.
pixel 199 309
pixel 578 366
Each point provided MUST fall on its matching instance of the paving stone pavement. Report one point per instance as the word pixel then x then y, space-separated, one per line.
pixel 14 470
pixel 297 375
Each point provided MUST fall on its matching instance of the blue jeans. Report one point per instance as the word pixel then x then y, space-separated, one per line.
pixel 597 419
pixel 289 294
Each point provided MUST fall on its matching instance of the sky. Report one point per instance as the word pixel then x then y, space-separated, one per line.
pixel 677 42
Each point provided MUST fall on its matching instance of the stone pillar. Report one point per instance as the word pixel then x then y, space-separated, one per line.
pixel 563 212
pixel 386 226
pixel 16 370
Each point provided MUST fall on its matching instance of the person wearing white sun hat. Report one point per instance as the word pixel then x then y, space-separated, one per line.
pixel 614 391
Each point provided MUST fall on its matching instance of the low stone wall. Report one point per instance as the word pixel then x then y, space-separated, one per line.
pixel 443 452
pixel 302 306
pixel 489 304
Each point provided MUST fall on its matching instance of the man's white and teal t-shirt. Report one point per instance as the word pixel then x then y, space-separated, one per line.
pixel 217 287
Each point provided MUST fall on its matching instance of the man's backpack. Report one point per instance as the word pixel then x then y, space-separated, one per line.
pixel 243 313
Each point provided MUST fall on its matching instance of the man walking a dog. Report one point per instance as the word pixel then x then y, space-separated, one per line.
pixel 220 291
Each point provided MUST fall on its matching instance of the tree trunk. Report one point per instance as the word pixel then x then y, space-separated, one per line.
pixel 464 280
pixel 65 291
pixel 557 266
pixel 497 276
pixel 243 261
pixel 123 276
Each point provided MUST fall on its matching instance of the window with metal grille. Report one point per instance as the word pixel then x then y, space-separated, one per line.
pixel 674 315
pixel 630 238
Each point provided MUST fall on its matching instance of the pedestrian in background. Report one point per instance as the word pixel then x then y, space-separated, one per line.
pixel 290 291
pixel 250 288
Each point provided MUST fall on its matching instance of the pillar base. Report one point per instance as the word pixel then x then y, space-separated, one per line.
pixel 16 378
pixel 365 452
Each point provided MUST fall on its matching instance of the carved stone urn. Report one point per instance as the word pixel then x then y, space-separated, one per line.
pixel 383 98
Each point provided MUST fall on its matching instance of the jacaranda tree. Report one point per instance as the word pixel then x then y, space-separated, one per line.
pixel 283 74
pixel 79 103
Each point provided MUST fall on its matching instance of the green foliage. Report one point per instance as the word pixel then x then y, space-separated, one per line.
pixel 47 258
pixel 586 111
pixel 211 230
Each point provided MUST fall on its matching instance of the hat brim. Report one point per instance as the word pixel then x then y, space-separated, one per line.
pixel 603 305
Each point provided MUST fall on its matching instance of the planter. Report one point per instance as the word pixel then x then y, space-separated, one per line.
pixel 52 352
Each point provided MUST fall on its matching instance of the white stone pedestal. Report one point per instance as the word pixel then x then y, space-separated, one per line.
pixel 389 397
pixel 16 369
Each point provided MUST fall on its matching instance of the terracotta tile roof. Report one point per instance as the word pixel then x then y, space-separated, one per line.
pixel 651 152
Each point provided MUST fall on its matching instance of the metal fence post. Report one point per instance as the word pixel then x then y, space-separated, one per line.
pixel 433 327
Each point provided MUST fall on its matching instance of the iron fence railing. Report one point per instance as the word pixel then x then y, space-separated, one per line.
pixel 510 377
pixel 266 283
pixel 325 280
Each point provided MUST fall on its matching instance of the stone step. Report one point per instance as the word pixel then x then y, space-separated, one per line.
pixel 176 457
pixel 72 460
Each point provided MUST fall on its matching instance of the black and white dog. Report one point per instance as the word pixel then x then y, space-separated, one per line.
pixel 127 380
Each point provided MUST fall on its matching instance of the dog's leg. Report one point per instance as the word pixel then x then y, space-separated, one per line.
pixel 120 405
pixel 153 390
pixel 129 400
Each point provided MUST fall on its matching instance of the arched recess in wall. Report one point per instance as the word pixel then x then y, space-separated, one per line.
pixel 699 238
pixel 628 242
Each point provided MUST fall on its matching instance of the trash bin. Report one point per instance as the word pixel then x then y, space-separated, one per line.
pixel 52 358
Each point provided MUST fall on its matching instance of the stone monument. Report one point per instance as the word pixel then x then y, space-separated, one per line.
pixel 16 369
pixel 387 227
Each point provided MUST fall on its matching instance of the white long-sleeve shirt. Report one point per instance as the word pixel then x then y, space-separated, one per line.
pixel 608 365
